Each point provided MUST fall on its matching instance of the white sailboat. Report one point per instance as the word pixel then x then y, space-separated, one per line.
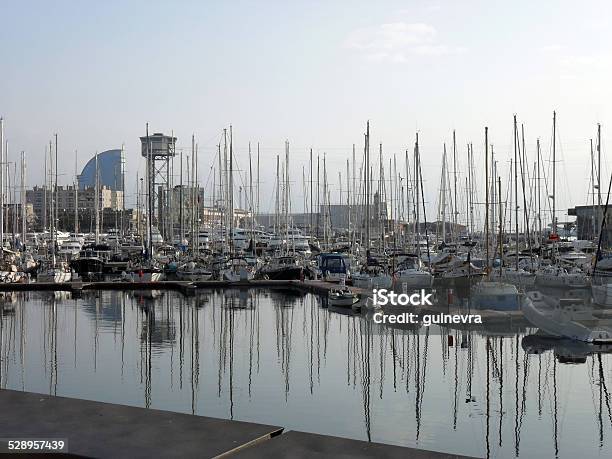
pixel 193 272
pixel 555 275
pixel 412 274
pixel 371 275
pixel 516 274
pixel 56 272
pixel 488 294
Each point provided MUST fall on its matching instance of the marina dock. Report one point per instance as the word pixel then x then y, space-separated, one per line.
pixel 319 287
pixel 94 429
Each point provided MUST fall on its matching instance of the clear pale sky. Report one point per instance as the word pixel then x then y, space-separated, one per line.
pixel 311 72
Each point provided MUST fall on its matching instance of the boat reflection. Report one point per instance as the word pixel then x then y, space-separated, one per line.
pixel 275 357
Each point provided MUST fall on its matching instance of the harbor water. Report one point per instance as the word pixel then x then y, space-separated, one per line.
pixel 283 358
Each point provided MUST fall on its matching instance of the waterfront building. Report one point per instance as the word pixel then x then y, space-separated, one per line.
pixel 110 171
pixel 66 199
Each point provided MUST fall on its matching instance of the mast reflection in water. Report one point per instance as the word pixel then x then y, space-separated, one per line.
pixel 280 358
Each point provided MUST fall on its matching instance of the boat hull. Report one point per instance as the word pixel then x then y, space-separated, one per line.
pixel 145 276
pixel 602 294
pixel 294 273
pixel 372 282
pixel 194 276
pixel 414 279
pixel 54 277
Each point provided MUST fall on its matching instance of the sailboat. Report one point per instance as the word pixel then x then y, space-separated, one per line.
pixel 490 294
pixel 555 275
pixel 372 274
pixel 56 272
pixel 193 271
pixel 412 273
pixel 516 274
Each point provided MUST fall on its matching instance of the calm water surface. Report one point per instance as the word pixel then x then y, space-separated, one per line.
pixel 279 358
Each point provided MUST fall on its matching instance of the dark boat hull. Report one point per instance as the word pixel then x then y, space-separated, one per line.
pixel 293 273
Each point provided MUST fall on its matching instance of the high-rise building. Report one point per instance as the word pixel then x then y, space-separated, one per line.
pixel 65 199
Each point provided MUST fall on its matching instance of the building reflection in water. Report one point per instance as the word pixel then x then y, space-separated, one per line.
pixel 282 358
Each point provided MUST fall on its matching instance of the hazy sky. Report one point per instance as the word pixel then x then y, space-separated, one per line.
pixel 310 72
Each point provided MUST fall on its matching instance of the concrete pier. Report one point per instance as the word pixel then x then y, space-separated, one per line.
pixel 307 445
pixel 94 429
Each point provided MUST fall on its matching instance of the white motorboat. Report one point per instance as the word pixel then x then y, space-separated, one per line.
pixel 342 297
pixel 70 247
pixel 565 318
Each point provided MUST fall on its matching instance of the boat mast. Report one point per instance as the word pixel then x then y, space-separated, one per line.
pixel 150 185
pixel 137 205
pixel 76 195
pixel 381 191
pixel 97 202
pixel 122 191
pixel 471 186
pixel 593 188
pixel 45 200
pixel 487 198
pixel 23 199
pixel 348 197
pixel 417 225
pixel 310 206
pixel 257 206
pixel 599 212
pixel 287 210
pixel 251 207
pixel 1 185
pixel 516 203
pixel 443 196
pixel 367 187
pixel 455 211
pixel 599 164
pixel 54 204
pixel 325 200
pixel 354 200
pixel 501 241
pixel 181 227
pixel 539 197
pixel 525 211
pixel 554 151
pixel 231 189
pixel 277 203
pixel 192 192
